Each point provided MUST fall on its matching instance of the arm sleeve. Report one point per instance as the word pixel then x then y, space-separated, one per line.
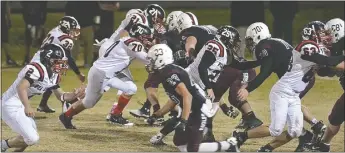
pixel 71 63
pixel 324 60
pixel 265 71
pixel 206 61
pixel 244 65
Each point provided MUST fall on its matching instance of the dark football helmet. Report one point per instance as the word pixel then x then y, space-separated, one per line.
pixel 316 31
pixel 230 37
pixel 156 17
pixel 69 25
pixel 143 33
pixel 54 58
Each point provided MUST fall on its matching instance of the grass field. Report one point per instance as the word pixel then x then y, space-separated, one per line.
pixel 95 134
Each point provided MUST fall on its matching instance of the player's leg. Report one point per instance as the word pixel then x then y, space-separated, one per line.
pixel 336 118
pixel 43 106
pixel 129 89
pixel 279 110
pixel 151 89
pixel 15 118
pixel 92 96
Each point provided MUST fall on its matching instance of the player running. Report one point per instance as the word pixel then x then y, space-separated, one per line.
pixel 64 34
pixel 116 57
pixel 34 79
pixel 183 92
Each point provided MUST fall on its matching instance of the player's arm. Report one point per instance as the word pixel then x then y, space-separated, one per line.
pixel 206 61
pixel 74 96
pixel 68 44
pixel 166 108
pixel 244 65
pixel 22 91
pixel 190 45
pixel 265 71
pixel 182 90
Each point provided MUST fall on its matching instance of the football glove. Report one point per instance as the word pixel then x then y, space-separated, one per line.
pixel 181 126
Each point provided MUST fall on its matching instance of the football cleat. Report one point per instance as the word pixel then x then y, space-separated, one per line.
pixel 303 140
pixel 264 149
pixel 318 130
pixel 233 145
pixel 45 109
pixel 158 121
pixel 317 147
pixel 119 120
pixel 140 113
pixel 239 139
pixel 66 121
pixel 157 139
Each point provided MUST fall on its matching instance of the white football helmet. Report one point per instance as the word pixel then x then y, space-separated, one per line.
pixel 336 27
pixel 159 55
pixel 133 11
pixel 255 33
pixel 186 20
pixel 171 21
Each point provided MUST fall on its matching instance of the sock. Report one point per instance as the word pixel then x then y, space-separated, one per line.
pixel 156 107
pixel 314 121
pixel 243 135
pixel 45 98
pixel 214 146
pixel 146 106
pixel 69 112
pixel 122 103
pixel 4 144
pixel 249 115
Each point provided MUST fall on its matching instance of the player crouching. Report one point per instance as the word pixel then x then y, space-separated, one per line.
pixel 183 92
pixel 34 79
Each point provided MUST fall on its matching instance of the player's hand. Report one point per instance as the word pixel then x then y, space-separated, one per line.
pixel 80 92
pixel 181 125
pixel 81 77
pixel 210 94
pixel 29 111
pixel 152 119
pixel 242 94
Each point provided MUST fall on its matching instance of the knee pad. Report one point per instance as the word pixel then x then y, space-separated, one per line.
pixel 32 139
pixel 275 131
pixel 132 88
pixel 182 148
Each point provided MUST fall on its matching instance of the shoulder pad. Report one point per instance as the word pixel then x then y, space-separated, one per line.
pixel 134 45
pixel 34 71
pixel 308 48
pixel 215 47
pixel 67 43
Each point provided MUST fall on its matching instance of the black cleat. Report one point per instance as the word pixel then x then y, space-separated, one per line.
pixel 240 140
pixel 303 140
pixel 66 121
pixel 119 120
pixel 264 149
pixel 318 130
pixel 317 147
pixel 45 109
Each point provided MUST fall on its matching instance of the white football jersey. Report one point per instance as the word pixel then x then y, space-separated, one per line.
pixel 40 81
pixel 117 56
pixel 55 36
pixel 136 17
pixel 302 70
pixel 219 51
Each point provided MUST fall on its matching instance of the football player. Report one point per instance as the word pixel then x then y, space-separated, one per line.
pixel 336 117
pixel 116 57
pixel 64 34
pixel 34 79
pixel 294 69
pixel 314 32
pixel 183 92
pixel 151 84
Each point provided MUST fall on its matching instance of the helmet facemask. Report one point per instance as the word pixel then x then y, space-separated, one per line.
pixel 59 66
pixel 74 33
pixel 147 41
pixel 250 44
